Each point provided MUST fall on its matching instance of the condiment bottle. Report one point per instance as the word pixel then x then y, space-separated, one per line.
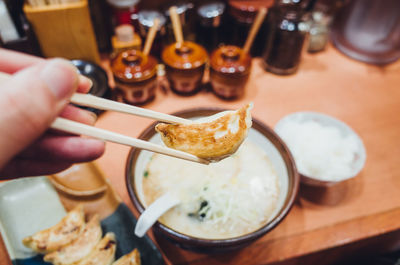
pixel 125 39
pixel 145 19
pixel 229 71
pixel 319 31
pixel 210 32
pixel 185 65
pixel 288 28
pixel 242 14
pixel 135 76
pixel 122 10
pixel 185 11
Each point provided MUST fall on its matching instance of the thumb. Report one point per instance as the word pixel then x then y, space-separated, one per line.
pixel 30 101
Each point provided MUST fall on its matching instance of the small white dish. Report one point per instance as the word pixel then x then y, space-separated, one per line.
pixel 328 121
pixel 27 205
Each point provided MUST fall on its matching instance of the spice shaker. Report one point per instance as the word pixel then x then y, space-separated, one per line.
pixel 319 31
pixel 288 28
pixel 185 65
pixel 135 76
pixel 210 31
pixel 144 21
pixel 229 71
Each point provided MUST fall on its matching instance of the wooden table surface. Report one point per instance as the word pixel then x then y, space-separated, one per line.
pixel 324 225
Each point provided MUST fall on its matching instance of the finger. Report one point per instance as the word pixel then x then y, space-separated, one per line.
pixel 76 114
pixel 24 117
pixel 11 62
pixel 80 115
pixel 85 84
pixel 71 149
pixel 21 167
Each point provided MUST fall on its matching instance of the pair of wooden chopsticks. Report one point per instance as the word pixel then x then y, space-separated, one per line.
pixel 69 126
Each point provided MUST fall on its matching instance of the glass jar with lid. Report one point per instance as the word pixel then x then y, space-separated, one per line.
pixel 185 11
pixel 210 28
pixel 144 20
pixel 229 71
pixel 288 29
pixel 135 76
pixel 185 65
pixel 242 14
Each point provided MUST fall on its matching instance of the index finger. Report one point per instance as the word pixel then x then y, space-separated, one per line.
pixel 11 62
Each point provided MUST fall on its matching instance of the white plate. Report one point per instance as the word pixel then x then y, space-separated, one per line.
pixel 27 205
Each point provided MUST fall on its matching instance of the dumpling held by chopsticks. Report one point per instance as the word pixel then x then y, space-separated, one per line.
pixel 212 138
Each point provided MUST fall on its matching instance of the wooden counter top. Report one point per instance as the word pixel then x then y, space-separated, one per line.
pixel 325 224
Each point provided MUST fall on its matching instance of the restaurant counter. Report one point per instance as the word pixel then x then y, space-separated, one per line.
pixel 326 225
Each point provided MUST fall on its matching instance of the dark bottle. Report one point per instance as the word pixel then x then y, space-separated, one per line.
pixel 242 14
pixel 144 21
pixel 186 14
pixel 288 28
pixel 210 32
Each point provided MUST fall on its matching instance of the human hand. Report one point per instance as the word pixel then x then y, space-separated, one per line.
pixel 38 92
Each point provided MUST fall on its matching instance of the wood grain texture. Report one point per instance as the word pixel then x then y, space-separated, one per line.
pixel 366 97
pixel 64 30
pixel 331 222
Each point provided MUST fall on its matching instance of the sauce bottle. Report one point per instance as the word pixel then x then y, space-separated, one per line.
pixel 135 76
pixel 185 11
pixel 210 31
pixel 288 28
pixel 242 14
pixel 144 21
pixel 185 65
pixel 229 71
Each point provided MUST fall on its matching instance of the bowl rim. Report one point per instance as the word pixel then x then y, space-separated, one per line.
pixel 294 183
pixel 313 181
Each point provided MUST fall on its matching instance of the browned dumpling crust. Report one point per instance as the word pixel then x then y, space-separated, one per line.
pixel 103 253
pixel 80 247
pixel 212 140
pixel 132 258
pixel 63 233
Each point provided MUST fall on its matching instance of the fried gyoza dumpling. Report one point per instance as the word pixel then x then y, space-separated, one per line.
pixel 80 247
pixel 132 258
pixel 103 253
pixel 212 138
pixel 63 233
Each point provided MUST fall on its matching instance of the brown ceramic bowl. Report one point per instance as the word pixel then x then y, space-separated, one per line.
pixel 229 71
pixel 135 76
pixel 185 66
pixel 260 134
